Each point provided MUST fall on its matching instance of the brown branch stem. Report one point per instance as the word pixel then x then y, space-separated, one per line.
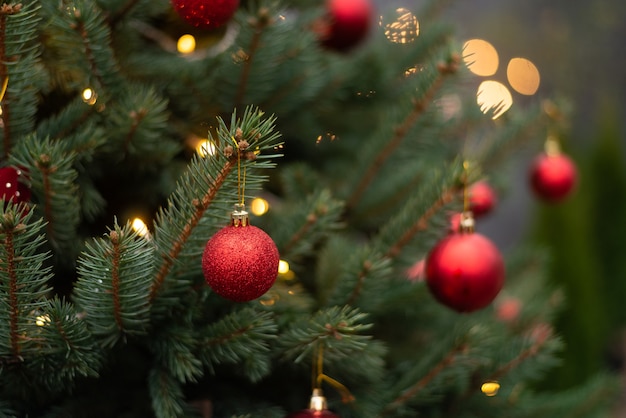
pixel 259 23
pixel 201 206
pixel 14 307
pixel 115 279
pixel 400 133
pixel 421 224
pixel 424 381
pixel 43 164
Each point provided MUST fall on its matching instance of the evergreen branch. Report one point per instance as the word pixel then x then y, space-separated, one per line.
pixel 22 279
pixel 422 222
pixel 540 334
pixel 14 307
pixel 5 10
pixel 400 132
pixel 113 284
pixel 259 23
pixel 116 17
pixel 434 371
pixel 241 337
pixel 52 180
pixel 201 205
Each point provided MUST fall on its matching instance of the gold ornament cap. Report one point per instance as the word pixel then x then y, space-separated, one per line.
pixel 467 224
pixel 239 216
pixel 318 401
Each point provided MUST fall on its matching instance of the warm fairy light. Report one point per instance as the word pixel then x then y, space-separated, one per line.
pixel 259 206
pixel 404 29
pixel 490 388
pixel 205 148
pixel 89 96
pixel 283 267
pixel 186 44
pixel 328 135
pixel 493 98
pixel 140 227
pixel 523 76
pixel 42 320
pixel 480 57
pixel 269 300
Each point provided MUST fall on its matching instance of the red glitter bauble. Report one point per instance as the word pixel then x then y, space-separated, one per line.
pixel 465 271
pixel 311 413
pixel 206 13
pixel 553 177
pixel 346 24
pixel 482 198
pixel 10 186
pixel 240 263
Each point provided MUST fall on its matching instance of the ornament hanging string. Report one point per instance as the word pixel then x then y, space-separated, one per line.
pixel 241 183
pixel 465 188
pixel 319 377
pixel 5 84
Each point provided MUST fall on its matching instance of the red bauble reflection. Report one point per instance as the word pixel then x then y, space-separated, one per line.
pixel 482 198
pixel 553 177
pixel 240 263
pixel 346 24
pixel 465 271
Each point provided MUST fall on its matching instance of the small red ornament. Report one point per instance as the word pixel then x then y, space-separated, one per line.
pixel 317 408
pixel 553 176
pixel 207 14
pixel 465 271
pixel 482 198
pixel 240 262
pixel 11 188
pixel 346 24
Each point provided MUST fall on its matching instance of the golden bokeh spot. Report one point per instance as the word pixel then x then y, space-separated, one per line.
pixel 283 267
pixel 42 320
pixel 89 96
pixel 205 148
pixel 405 29
pixel 523 76
pixel 490 388
pixel 480 57
pixel 186 44
pixel 259 206
pixel 139 226
pixel 493 98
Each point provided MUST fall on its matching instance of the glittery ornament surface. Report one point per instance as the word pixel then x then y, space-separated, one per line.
pixel 10 186
pixel 553 177
pixel 465 271
pixel 206 13
pixel 240 263
pixel 310 413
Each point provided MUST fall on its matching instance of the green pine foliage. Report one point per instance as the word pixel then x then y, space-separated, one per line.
pixel 363 164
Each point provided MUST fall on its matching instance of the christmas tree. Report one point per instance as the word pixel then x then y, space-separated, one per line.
pixel 363 140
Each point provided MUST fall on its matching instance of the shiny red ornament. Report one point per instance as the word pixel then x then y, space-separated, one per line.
pixel 482 198
pixel 465 271
pixel 240 263
pixel 208 14
pixel 553 177
pixel 346 24
pixel 11 188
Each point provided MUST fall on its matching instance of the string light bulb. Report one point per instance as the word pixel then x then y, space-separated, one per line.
pixel 283 267
pixel 186 44
pixel 490 388
pixel 42 320
pixel 205 148
pixel 259 206
pixel 89 96
pixel 140 227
